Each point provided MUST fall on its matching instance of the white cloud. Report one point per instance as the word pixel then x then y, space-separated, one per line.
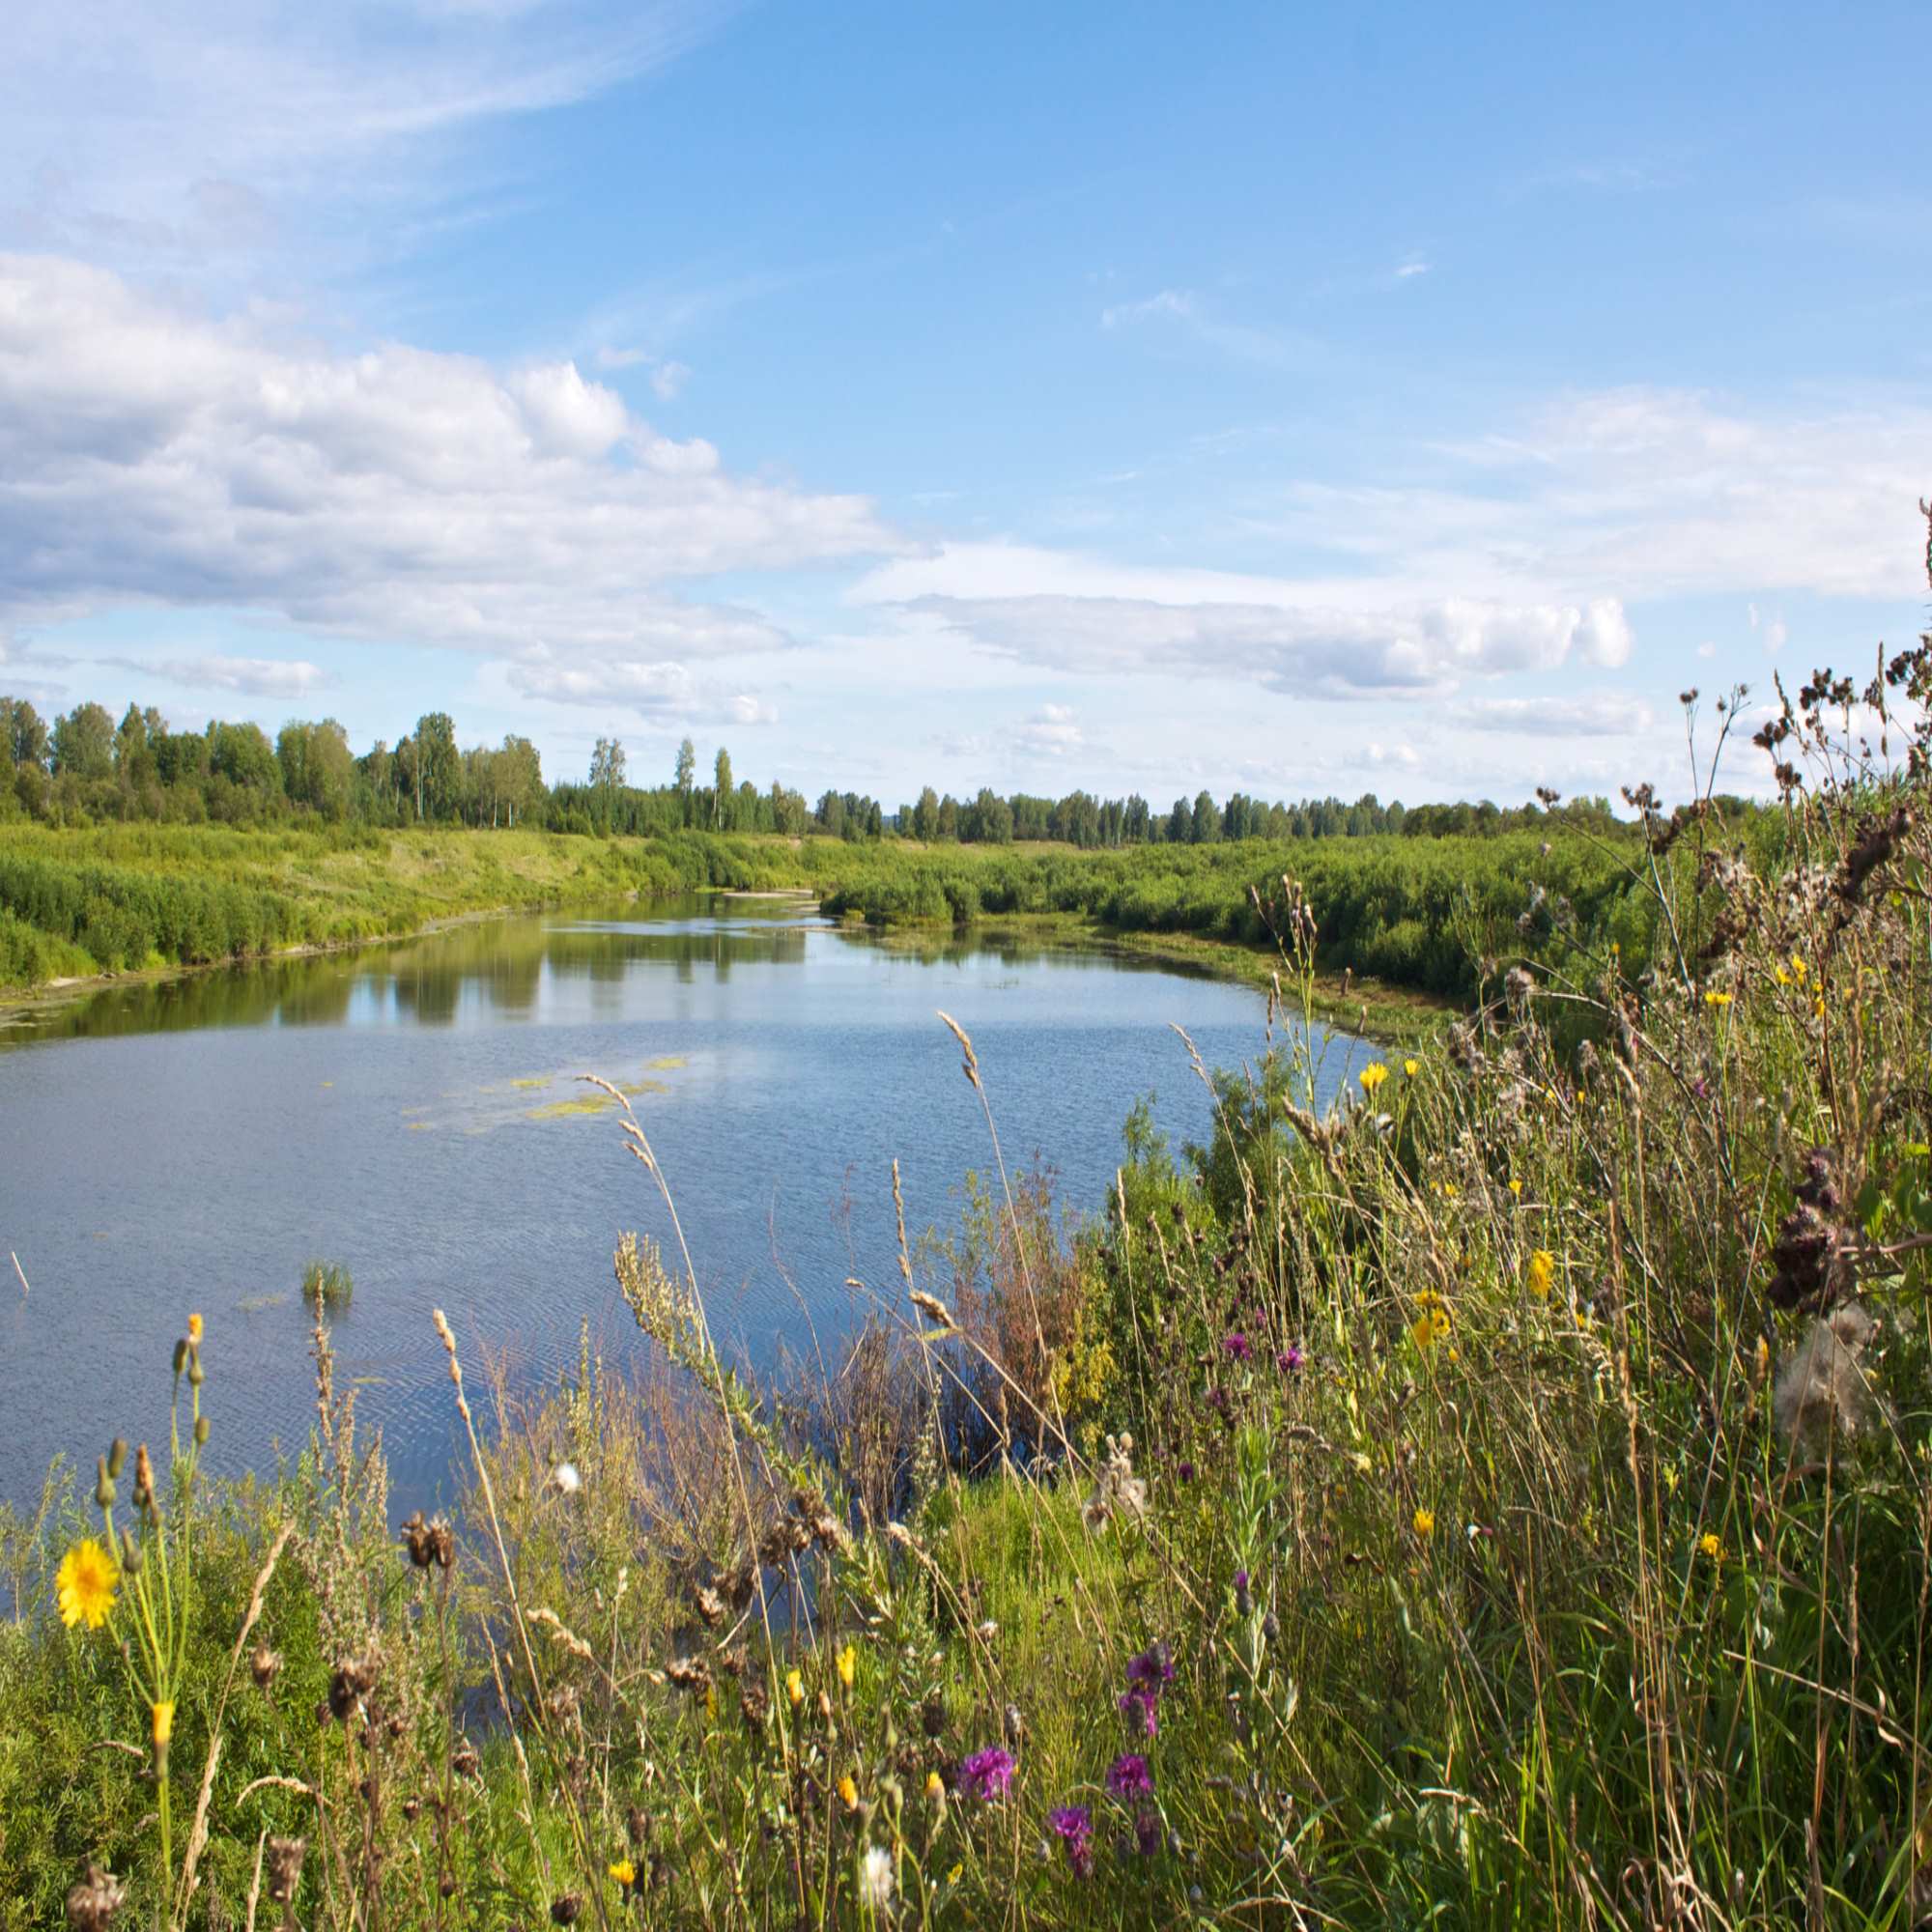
pixel 660 690
pixel 156 456
pixel 667 379
pixel 1240 342
pixel 257 677
pixel 143 133
pixel 1588 714
pixel 1053 731
pixel 1411 268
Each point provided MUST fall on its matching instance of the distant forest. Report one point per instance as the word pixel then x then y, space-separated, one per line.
pixel 84 769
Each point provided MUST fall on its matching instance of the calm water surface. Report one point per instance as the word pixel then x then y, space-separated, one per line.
pixel 406 1111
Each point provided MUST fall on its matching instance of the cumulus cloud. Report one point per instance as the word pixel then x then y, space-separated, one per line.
pixel 155 455
pixel 1587 715
pixel 660 690
pixel 1053 731
pixel 257 677
pixel 1300 649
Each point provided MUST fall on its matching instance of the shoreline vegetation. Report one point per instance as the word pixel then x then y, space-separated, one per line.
pixel 1501 1500
pixel 1414 928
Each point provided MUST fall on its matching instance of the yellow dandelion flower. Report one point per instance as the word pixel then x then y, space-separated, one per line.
pixel 195 1329
pixel 165 1725
pixel 849 1792
pixel 1425 1523
pixel 1448 1190
pixel 1782 978
pixel 1798 969
pixel 1709 1547
pixel 1411 1067
pixel 1714 998
pixel 1516 1187
pixel 935 1785
pixel 625 1873
pixel 847 1662
pixel 1541 1274
pixel 1818 1007
pixel 794 1686
pixel 952 1877
pixel 85 1583
pixel 1431 1323
pixel 1373 1076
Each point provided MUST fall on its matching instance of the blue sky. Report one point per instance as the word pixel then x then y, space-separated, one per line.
pixel 1292 399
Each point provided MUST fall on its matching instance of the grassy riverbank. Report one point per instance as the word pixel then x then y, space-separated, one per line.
pixel 1524 1523
pixel 1418 925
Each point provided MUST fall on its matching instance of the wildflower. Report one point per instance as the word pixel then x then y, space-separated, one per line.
pixel 1185 1472
pixel 1516 1187
pixel 987 1772
pixel 1425 1523
pixel 1128 1776
pixel 1236 1345
pixel 1822 1387
pixel 848 1792
pixel 1714 998
pixel 847 1662
pixel 952 1877
pixel 1541 1274
pixel 566 1478
pixel 1798 969
pixel 875 1878
pixel 1138 1706
pixel 1372 1076
pixel 795 1686
pixel 1245 1600
pixel 164 1725
pixel 1709 1547
pixel 1074 1823
pixel 1119 1492
pixel 85 1583
pixel 625 1873
pixel 1152 1669
pixel 1411 1067
pixel 935 1786
pixel 1432 1320
pixel 1290 1359
pixel 194 1330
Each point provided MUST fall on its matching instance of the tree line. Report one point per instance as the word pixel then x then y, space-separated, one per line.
pixel 83 768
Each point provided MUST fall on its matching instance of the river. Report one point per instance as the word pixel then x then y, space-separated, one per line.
pixel 413 1112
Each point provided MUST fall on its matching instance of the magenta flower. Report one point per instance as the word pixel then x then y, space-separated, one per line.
pixel 1153 1667
pixel 986 1774
pixel 1138 1707
pixel 1128 1776
pixel 1075 1824
pixel 1236 1345
pixel 1290 1359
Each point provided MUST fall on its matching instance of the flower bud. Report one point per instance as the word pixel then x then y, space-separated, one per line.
pixel 201 1432
pixel 181 1356
pixel 194 1374
pixel 130 1553
pixel 117 1457
pixel 103 1487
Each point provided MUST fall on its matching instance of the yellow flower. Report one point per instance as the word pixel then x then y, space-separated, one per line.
pixel 1714 998
pixel 1431 1323
pixel 1425 1523
pixel 1799 968
pixel 952 1877
pixel 85 1583
pixel 1411 1067
pixel 1541 1274
pixel 1373 1076
pixel 1448 1190
pixel 195 1329
pixel 165 1725
pixel 1708 1545
pixel 1782 978
pixel 625 1873
pixel 935 1785
pixel 847 1662
pixel 1516 1187
pixel 849 1792
pixel 1818 1007
pixel 794 1686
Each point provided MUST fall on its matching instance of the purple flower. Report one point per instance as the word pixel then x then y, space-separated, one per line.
pixel 1128 1776
pixel 1146 1833
pixel 1075 1824
pixel 1290 1359
pixel 1236 1345
pixel 1152 1667
pixel 1186 1472
pixel 1138 1707
pixel 987 1772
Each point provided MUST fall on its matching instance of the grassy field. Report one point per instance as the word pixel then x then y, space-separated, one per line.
pixel 1499 1502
